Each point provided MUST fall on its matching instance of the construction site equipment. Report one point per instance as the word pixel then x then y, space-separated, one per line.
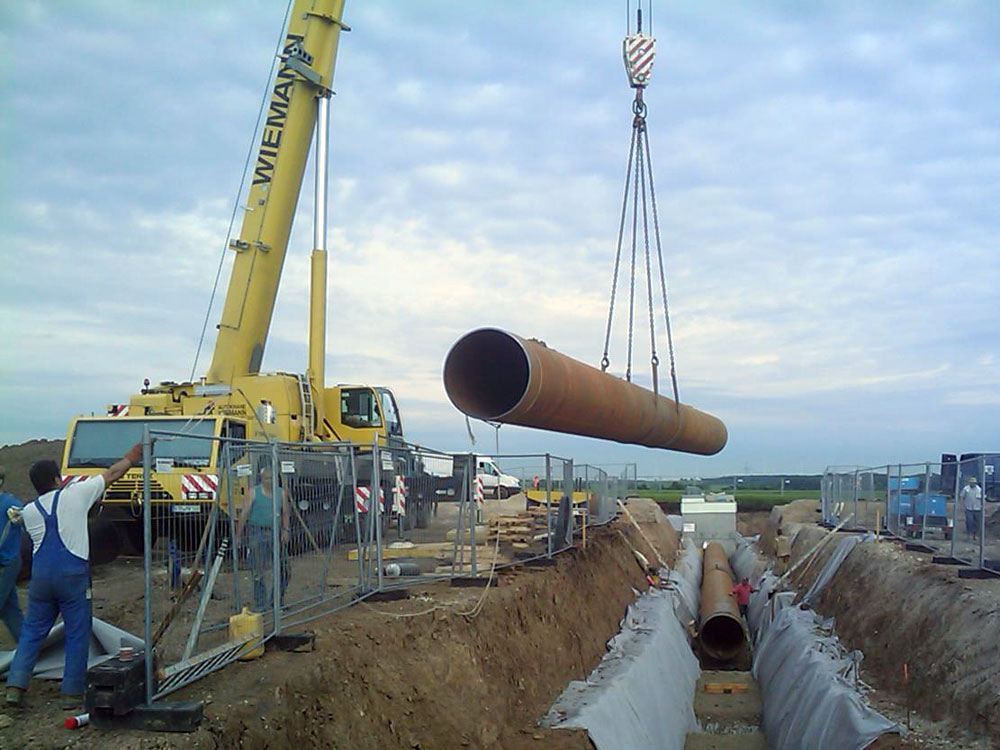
pixel 912 508
pixel 720 629
pixel 500 376
pixel 235 399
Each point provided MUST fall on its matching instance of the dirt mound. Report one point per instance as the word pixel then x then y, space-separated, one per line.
pixel 656 529
pixel 17 459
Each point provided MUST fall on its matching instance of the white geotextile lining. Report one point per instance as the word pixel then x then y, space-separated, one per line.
pixel 745 559
pixel 844 548
pixel 105 640
pixel 641 695
pixel 684 581
pixel 803 672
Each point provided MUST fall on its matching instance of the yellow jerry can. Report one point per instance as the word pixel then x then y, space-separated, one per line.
pixel 244 624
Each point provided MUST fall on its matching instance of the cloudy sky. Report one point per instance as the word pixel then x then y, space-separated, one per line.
pixel 828 178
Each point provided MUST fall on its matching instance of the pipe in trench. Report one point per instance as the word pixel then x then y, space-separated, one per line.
pixel 720 625
pixel 499 376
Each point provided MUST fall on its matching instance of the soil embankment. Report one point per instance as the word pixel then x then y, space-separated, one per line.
pixel 899 608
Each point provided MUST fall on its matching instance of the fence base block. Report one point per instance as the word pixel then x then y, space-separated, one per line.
pixel 389 595
pixel 977 573
pixel 165 716
pixel 947 560
pixel 540 562
pixel 919 547
pixel 470 582
pixel 294 641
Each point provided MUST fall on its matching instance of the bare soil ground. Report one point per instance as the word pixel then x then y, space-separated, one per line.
pixel 899 608
pixel 448 667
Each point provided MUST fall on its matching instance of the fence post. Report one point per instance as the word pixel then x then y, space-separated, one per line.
pixel 885 514
pixel 954 510
pixel 234 547
pixel 568 482
pixel 927 501
pixel 548 503
pixel 475 519
pixel 376 501
pixel 856 476
pixel 277 504
pixel 982 510
pixel 147 561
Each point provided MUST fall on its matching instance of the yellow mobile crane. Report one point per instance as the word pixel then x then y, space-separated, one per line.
pixel 235 399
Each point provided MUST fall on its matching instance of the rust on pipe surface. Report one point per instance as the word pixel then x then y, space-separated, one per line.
pixel 720 628
pixel 496 375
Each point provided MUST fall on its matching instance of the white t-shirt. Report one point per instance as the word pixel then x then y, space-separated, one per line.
pixel 74 503
pixel 972 497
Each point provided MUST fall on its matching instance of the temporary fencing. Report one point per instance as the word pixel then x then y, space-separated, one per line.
pixel 935 507
pixel 286 533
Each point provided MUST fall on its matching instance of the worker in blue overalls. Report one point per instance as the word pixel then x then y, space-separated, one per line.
pixel 10 559
pixel 60 573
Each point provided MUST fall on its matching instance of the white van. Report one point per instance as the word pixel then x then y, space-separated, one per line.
pixel 495 483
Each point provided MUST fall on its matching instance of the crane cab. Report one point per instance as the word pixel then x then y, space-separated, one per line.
pixel 361 413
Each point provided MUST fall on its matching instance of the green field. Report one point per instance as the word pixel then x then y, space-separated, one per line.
pixel 745 499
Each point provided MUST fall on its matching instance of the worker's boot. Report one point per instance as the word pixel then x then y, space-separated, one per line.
pixel 15 697
pixel 69 702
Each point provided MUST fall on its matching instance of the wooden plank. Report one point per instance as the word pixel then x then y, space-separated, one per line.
pixel 726 687
pixel 431 549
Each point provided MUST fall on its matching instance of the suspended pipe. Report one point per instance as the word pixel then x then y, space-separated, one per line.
pixel 499 376
pixel 720 629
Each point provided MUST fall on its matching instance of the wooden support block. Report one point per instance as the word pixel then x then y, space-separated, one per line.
pixel 726 687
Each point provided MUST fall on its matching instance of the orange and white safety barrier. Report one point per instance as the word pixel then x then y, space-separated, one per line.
pixel 399 496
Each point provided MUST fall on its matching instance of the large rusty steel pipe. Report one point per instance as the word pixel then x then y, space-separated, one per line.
pixel 496 375
pixel 720 628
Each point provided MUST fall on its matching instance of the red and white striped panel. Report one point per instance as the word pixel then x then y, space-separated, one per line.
pixel 479 491
pixel 69 479
pixel 193 486
pixel 638 51
pixel 399 496
pixel 361 497
pixel 118 410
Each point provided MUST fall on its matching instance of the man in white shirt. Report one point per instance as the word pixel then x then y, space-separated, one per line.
pixel 60 573
pixel 972 500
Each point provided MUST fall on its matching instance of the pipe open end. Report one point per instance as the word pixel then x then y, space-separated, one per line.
pixel 722 637
pixel 486 373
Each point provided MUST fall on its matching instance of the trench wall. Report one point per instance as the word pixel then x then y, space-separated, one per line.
pixel 898 607
pixel 444 680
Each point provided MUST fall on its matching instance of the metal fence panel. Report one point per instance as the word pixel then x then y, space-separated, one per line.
pixel 292 532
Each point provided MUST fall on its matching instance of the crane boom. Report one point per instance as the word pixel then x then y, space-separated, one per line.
pixel 308 57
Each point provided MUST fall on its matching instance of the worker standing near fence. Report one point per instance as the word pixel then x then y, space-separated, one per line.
pixel 972 501
pixel 10 559
pixel 60 573
pixel 258 518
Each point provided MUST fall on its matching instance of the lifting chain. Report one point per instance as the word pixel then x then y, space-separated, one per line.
pixel 638 53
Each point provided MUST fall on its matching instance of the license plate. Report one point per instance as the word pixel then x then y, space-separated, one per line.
pixel 185 508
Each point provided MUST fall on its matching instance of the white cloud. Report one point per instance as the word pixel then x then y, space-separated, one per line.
pixel 825 179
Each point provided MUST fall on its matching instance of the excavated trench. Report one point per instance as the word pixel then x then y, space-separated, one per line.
pixel 643 693
pixel 408 677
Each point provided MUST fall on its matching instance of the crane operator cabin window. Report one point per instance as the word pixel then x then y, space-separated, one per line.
pixel 392 422
pixel 359 408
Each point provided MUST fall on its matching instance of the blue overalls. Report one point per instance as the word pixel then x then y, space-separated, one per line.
pixel 60 584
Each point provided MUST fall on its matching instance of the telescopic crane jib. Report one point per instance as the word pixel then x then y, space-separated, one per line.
pixel 235 399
